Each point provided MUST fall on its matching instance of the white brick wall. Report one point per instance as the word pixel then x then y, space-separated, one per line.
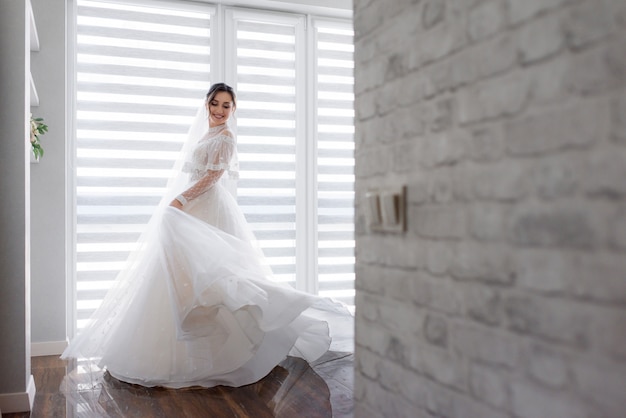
pixel 506 120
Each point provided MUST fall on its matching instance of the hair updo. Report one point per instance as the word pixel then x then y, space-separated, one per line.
pixel 218 87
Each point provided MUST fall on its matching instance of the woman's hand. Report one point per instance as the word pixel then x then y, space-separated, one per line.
pixel 175 203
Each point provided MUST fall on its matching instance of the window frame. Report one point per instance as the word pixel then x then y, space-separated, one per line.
pixel 223 67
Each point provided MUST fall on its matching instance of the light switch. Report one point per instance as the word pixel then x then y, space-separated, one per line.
pixel 372 209
pixel 387 205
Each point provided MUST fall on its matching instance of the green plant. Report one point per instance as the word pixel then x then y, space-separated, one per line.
pixel 37 128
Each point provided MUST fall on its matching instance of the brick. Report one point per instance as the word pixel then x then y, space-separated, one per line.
pixel 438 258
pixel 548 81
pixel 548 271
pixel 487 143
pixel 567 226
pixel 371 162
pixel 442 114
pixel 439 221
pixel 491 57
pixel 523 10
pixel 541 38
pixel 411 120
pixel 370 336
pixel 572 126
pixel 436 43
pixel 367 18
pixel 404 156
pixel 618 118
pixel 365 105
pixel 532 401
pixel 547 365
pixel 399 318
pixel 410 385
pixel 445 148
pixel 606 173
pixel 391 403
pixel 558 176
pixel 396 11
pixel 397 33
pixel 370 75
pixel 467 407
pixel 463 180
pixel 591 374
pixel 436 330
pixel 433 13
pixel 490 384
pixel 417 191
pixel 368 307
pixel 617 232
pixel 595 71
pixel 505 181
pixel 366 363
pixel 487 221
pixel 397 284
pixel 491 263
pixel 482 304
pixel 406 252
pixel 587 23
pixel 369 134
pixel 608 333
pixel 485 344
pixel 486 19
pixel 461 68
pixel 400 349
pixel 493 98
pixel 440 188
pixel 397 66
pixel 437 294
pixel 410 90
pixel 438 78
pixel 439 364
pixel 403 125
pixel 551 319
pixel 365 51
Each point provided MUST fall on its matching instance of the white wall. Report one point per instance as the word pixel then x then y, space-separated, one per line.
pixel 506 296
pixel 48 179
pixel 14 201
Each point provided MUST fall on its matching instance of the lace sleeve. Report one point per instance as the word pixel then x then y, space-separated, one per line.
pixel 217 164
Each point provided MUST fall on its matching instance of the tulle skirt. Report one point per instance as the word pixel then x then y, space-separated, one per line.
pixel 196 306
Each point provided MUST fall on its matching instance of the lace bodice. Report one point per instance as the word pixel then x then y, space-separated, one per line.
pixel 210 159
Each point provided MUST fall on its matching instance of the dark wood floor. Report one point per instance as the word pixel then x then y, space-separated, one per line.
pixel 293 389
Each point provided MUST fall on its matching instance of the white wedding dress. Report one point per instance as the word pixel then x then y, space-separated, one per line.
pixel 195 305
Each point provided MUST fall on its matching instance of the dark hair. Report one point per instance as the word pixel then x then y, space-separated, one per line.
pixel 218 87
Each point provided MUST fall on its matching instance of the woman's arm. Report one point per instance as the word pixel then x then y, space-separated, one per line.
pixel 199 187
pixel 221 157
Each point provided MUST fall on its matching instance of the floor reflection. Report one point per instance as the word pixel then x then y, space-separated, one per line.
pixel 293 389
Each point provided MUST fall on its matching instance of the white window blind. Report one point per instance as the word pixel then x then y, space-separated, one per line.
pixel 140 73
pixel 141 68
pixel 335 158
pixel 267 80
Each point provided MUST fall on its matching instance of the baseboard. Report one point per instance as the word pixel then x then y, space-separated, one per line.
pixel 48 348
pixel 20 401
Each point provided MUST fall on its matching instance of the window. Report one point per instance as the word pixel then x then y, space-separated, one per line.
pixel 141 71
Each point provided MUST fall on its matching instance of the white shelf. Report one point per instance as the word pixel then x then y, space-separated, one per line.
pixel 34 38
pixel 34 47
pixel 34 98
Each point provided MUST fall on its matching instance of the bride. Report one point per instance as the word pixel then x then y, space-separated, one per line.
pixel 195 304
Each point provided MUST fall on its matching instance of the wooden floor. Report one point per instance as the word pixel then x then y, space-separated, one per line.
pixel 293 389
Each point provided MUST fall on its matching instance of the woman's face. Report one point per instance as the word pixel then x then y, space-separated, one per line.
pixel 220 108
